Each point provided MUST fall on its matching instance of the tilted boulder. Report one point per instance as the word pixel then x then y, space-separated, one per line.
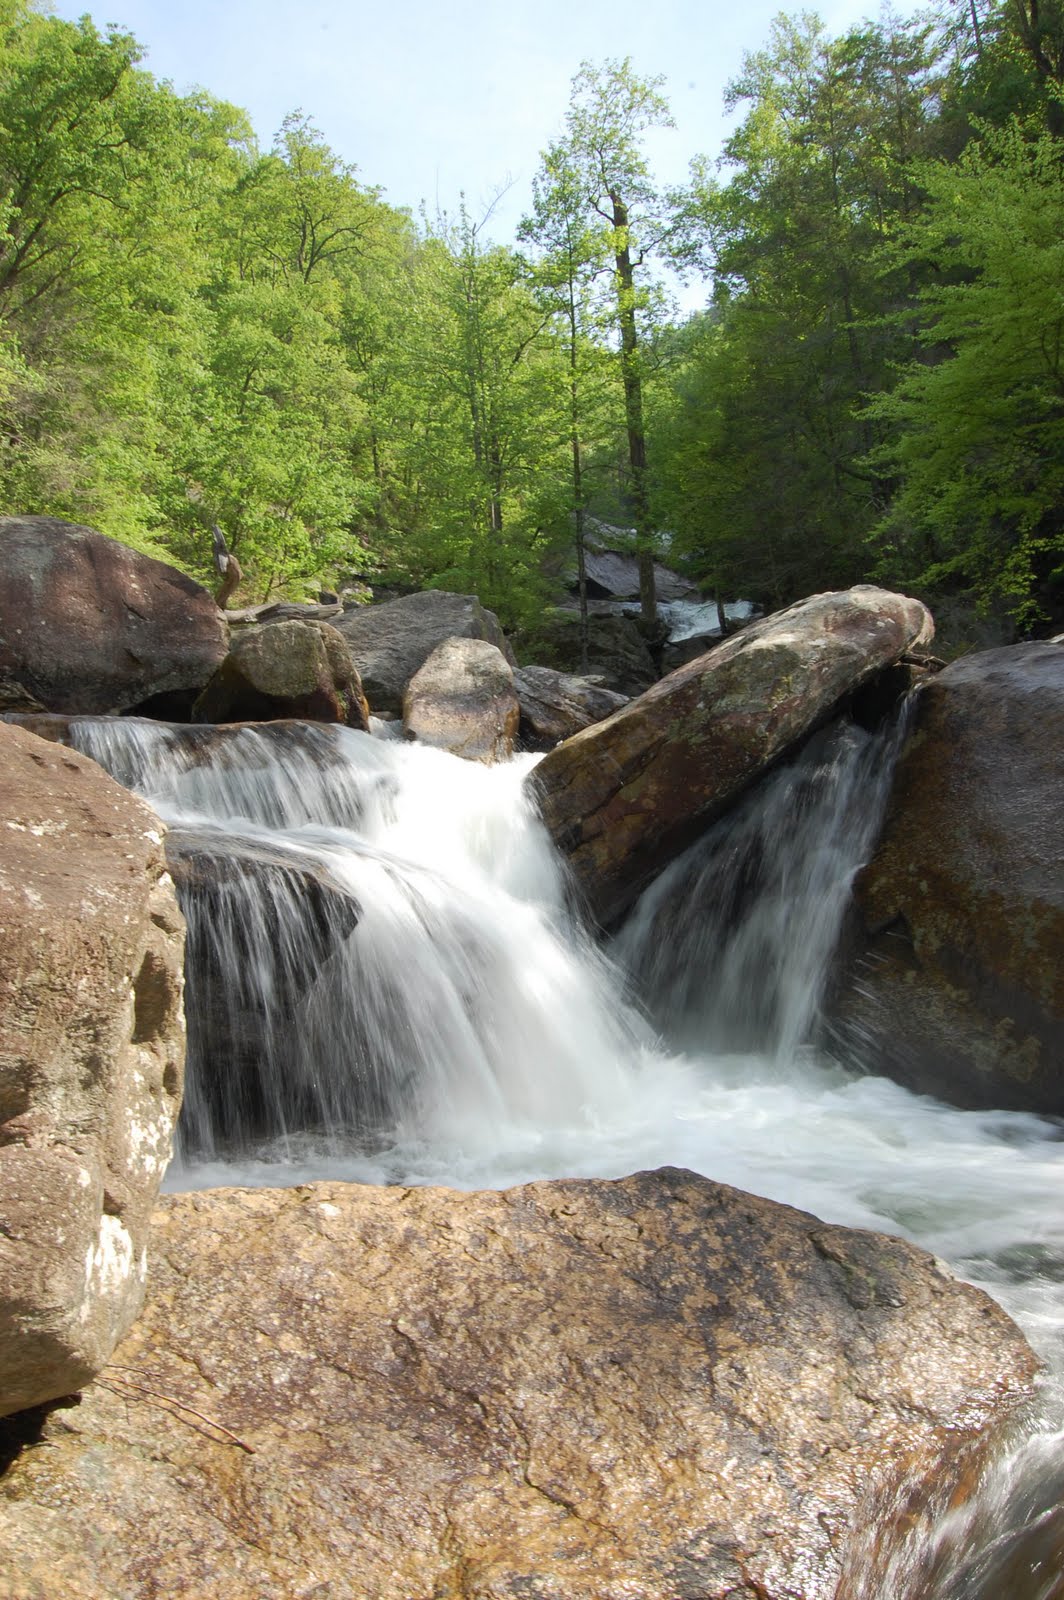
pixel 463 700
pixel 389 642
pixel 555 705
pixel 625 797
pixel 286 669
pixel 655 1387
pixel 960 984
pixel 88 625
pixel 91 1059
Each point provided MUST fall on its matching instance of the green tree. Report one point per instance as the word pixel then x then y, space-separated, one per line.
pixel 977 423
pixel 572 257
pixel 766 454
pixel 610 110
pixel 474 393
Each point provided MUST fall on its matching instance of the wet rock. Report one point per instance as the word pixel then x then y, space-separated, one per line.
pixel 463 700
pixel 88 625
pixel 577 1390
pixel 389 642
pixel 555 705
pixel 959 989
pixel 91 1057
pixel 263 924
pixel 624 798
pixel 286 669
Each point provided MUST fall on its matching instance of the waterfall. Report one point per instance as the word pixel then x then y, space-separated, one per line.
pixel 385 984
pixel 377 943
pixel 730 948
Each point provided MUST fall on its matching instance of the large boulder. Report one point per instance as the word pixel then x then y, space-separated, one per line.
pixel 389 642
pixel 91 1058
pixel 578 1391
pixel 959 989
pixel 88 625
pixel 555 705
pixel 286 669
pixel 625 797
pixel 463 699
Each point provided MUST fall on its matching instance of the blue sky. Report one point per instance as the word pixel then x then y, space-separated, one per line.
pixel 428 100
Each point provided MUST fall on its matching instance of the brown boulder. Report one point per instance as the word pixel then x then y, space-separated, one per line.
pixel 88 625
pixel 286 669
pixel 960 985
pixel 389 642
pixel 555 705
pixel 578 1391
pixel 91 1056
pixel 626 796
pixel 462 699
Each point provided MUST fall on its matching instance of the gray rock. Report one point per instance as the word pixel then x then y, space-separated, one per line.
pixel 462 699
pixel 959 987
pixel 91 1060
pixel 88 625
pixel 389 642
pixel 555 705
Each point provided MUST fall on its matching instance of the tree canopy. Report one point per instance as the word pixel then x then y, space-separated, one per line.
pixel 196 327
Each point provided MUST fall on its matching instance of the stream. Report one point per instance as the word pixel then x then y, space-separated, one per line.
pixel 438 1015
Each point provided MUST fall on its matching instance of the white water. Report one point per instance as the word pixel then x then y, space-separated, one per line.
pixel 506 1047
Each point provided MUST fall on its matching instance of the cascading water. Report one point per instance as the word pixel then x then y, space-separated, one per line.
pixel 390 989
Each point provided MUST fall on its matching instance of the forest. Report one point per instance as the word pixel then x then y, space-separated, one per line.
pixel 197 329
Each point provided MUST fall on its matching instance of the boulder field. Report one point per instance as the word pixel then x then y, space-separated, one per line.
pixel 390 641
pixel 657 1387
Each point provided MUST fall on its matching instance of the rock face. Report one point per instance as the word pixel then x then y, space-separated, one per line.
pixel 463 700
pixel 960 991
pixel 623 798
pixel 286 669
pixel 555 705
pixel 575 1391
pixel 91 1057
pixel 88 625
pixel 389 642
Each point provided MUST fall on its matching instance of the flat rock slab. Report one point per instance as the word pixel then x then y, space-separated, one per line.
pixel 89 625
pixel 623 798
pixel 639 1390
